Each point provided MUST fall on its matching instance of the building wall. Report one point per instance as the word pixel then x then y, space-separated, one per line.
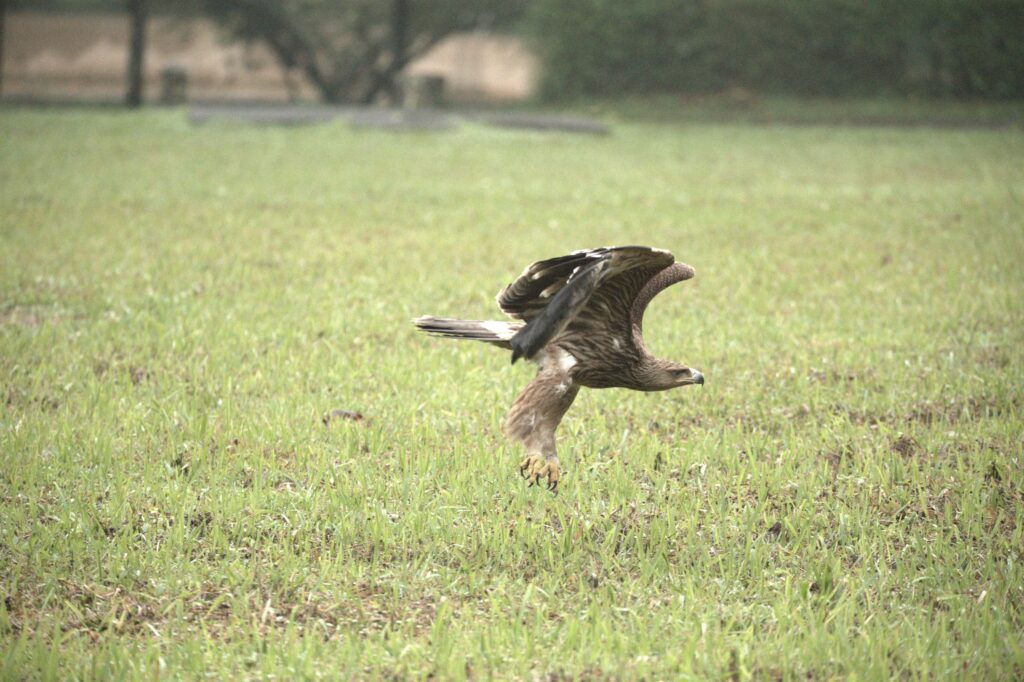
pixel 72 56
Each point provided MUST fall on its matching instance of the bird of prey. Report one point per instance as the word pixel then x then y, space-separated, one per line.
pixel 580 318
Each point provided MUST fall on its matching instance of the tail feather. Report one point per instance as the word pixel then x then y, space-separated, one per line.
pixel 497 333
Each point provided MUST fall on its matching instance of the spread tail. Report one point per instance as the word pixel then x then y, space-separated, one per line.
pixel 498 333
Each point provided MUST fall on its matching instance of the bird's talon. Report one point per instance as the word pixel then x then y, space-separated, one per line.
pixel 536 467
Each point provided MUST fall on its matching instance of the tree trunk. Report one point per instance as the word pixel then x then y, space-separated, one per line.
pixel 136 51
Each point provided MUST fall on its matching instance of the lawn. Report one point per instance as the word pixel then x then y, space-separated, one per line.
pixel 180 306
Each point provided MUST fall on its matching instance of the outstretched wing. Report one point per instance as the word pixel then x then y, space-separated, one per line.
pixel 526 297
pixel 551 293
pixel 677 272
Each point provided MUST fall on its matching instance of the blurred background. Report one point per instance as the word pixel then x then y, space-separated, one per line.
pixel 452 52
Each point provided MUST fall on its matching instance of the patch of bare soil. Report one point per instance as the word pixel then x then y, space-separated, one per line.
pixel 905 445
pixel 342 415
pixel 957 408
pixel 19 316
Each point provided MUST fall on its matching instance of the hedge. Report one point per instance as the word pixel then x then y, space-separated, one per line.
pixel 960 48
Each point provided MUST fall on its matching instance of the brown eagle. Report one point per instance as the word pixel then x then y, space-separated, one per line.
pixel 580 319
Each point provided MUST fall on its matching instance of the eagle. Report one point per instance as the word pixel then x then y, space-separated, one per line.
pixel 579 317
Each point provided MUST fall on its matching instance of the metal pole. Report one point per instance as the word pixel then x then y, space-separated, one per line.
pixel 399 38
pixel 3 14
pixel 136 51
pixel 399 29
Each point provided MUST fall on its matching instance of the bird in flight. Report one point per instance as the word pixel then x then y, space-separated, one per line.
pixel 579 317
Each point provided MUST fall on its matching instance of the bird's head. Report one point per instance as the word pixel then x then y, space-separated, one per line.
pixel 661 375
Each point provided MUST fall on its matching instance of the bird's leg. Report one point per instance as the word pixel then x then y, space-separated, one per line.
pixel 534 417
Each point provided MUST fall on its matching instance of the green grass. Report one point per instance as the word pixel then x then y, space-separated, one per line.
pixel 741 106
pixel 179 307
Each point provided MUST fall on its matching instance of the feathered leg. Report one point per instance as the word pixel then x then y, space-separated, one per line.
pixel 533 419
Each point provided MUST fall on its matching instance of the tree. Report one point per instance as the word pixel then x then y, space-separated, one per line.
pixel 353 50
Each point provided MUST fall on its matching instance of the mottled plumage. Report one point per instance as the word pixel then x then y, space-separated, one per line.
pixel 580 318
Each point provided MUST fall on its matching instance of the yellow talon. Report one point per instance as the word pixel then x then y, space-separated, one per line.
pixel 554 475
pixel 527 465
pixel 535 467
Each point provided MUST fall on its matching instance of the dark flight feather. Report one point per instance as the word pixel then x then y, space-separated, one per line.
pixel 540 282
pixel 547 314
pixel 559 311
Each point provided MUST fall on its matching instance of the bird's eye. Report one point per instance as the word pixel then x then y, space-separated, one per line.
pixel 682 372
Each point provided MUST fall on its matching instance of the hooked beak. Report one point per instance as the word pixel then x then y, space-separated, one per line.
pixel 697 377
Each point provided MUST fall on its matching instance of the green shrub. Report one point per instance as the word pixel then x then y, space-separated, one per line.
pixel 966 48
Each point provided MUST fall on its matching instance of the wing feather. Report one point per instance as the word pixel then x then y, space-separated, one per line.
pixel 540 282
pixel 551 293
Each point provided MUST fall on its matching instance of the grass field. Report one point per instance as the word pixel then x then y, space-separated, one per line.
pixel 180 306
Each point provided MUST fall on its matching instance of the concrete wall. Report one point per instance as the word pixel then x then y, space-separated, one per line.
pixel 71 56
